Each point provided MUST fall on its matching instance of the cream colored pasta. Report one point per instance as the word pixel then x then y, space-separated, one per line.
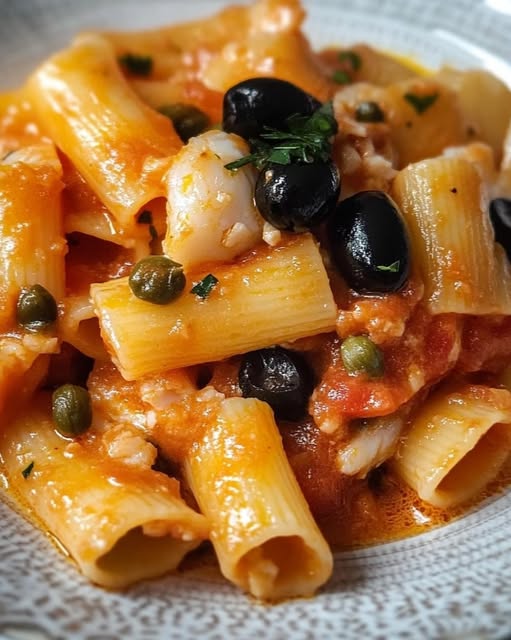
pixel 457 443
pixel 235 413
pixel 32 244
pixel 250 307
pixel 118 144
pixel 119 524
pixel 444 202
pixel 264 536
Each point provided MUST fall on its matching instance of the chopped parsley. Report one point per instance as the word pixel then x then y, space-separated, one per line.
pixel 28 470
pixel 352 57
pixel 203 288
pixel 136 64
pixel 393 268
pixel 341 77
pixel 307 140
pixel 421 103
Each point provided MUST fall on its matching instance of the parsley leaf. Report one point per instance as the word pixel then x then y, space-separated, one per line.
pixel 307 140
pixel 352 57
pixel 28 470
pixel 136 64
pixel 421 103
pixel 393 268
pixel 203 288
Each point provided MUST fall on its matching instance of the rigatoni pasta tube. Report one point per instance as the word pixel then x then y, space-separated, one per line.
pixel 272 296
pixel 415 133
pixel 263 533
pixel 32 243
pixel 119 524
pixel 457 443
pixel 120 145
pixel 488 118
pixel 444 203
pixel 79 326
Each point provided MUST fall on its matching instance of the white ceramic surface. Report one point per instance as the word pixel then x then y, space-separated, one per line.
pixel 454 582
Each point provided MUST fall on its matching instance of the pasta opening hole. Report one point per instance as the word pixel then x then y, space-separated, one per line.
pixel 204 376
pixel 87 339
pixel 282 567
pixel 136 556
pixel 480 465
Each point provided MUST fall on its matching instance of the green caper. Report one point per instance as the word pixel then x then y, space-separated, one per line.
pixel 36 309
pixel 157 279
pixel 369 111
pixel 71 408
pixel 360 355
pixel 188 120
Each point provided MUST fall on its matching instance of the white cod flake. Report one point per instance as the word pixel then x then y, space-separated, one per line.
pixel 211 212
pixel 374 444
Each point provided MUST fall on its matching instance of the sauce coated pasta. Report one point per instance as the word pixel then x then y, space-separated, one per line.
pixel 252 296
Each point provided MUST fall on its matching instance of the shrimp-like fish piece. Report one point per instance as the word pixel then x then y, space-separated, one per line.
pixel 371 446
pixel 211 212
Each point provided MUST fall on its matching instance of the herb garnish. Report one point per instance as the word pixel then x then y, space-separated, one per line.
pixel 393 268
pixel 421 103
pixel 341 77
pixel 203 288
pixel 28 470
pixel 136 64
pixel 352 57
pixel 307 140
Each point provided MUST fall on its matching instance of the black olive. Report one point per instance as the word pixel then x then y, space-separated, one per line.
pixel 500 215
pixel 251 105
pixel 295 197
pixel 280 377
pixel 369 243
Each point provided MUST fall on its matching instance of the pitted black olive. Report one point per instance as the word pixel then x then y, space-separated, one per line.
pixel 280 377
pixel 500 215
pixel 296 197
pixel 369 243
pixel 251 105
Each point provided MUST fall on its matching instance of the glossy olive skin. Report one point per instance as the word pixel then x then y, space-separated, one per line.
pixel 367 235
pixel 500 216
pixel 296 197
pixel 254 104
pixel 280 377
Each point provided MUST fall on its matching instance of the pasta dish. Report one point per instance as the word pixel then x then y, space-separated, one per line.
pixel 252 296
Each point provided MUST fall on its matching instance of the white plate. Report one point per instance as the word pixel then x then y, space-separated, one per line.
pixel 454 582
